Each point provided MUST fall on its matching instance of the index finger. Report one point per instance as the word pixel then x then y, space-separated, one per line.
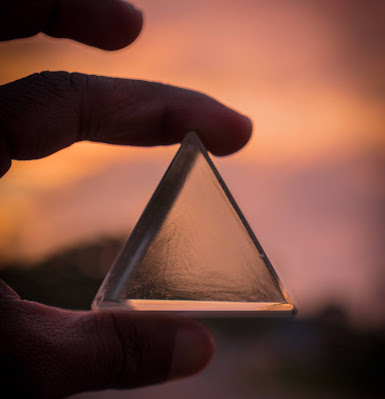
pixel 107 24
pixel 46 112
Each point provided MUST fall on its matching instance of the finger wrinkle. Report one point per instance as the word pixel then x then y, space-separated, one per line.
pixel 135 347
pixel 104 344
pixel 80 85
pixel 124 364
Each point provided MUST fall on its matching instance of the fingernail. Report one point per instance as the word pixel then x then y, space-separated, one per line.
pixel 193 350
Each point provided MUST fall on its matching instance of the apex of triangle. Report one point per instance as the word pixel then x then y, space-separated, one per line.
pixel 192 251
pixel 192 138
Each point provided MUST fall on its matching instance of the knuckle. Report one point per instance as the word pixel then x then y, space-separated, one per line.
pixel 33 107
pixel 62 86
pixel 49 84
pixel 74 88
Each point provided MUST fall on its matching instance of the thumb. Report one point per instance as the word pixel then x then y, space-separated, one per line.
pixel 53 353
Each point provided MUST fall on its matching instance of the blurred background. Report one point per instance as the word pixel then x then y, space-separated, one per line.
pixel 310 74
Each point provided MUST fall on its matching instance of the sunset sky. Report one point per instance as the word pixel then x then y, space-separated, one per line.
pixel 310 182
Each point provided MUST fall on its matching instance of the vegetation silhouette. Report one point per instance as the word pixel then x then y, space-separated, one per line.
pixel 67 279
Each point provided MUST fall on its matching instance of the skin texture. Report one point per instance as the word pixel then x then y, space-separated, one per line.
pixel 47 352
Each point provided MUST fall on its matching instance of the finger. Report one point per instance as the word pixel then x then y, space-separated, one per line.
pixel 56 353
pixel 46 112
pixel 7 292
pixel 107 24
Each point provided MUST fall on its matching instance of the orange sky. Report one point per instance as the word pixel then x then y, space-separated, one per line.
pixel 303 77
pixel 298 70
pixel 309 74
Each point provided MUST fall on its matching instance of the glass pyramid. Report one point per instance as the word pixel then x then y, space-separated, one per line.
pixel 192 250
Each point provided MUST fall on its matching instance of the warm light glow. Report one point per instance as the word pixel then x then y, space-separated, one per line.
pixel 310 75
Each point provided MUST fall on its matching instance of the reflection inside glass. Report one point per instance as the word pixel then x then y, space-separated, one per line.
pixel 192 249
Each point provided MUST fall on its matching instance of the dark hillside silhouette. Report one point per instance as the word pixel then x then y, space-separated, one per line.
pixel 68 279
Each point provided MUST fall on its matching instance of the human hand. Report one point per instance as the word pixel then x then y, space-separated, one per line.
pixel 46 112
pixel 47 352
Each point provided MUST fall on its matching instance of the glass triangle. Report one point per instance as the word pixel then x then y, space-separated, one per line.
pixel 192 250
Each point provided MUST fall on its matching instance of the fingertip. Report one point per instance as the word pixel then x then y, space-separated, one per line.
pixel 236 133
pixel 5 165
pixel 242 132
pixel 127 26
pixel 245 130
pixel 5 158
pixel 108 25
pixel 193 350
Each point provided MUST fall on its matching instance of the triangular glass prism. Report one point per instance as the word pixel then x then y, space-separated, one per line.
pixel 192 250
